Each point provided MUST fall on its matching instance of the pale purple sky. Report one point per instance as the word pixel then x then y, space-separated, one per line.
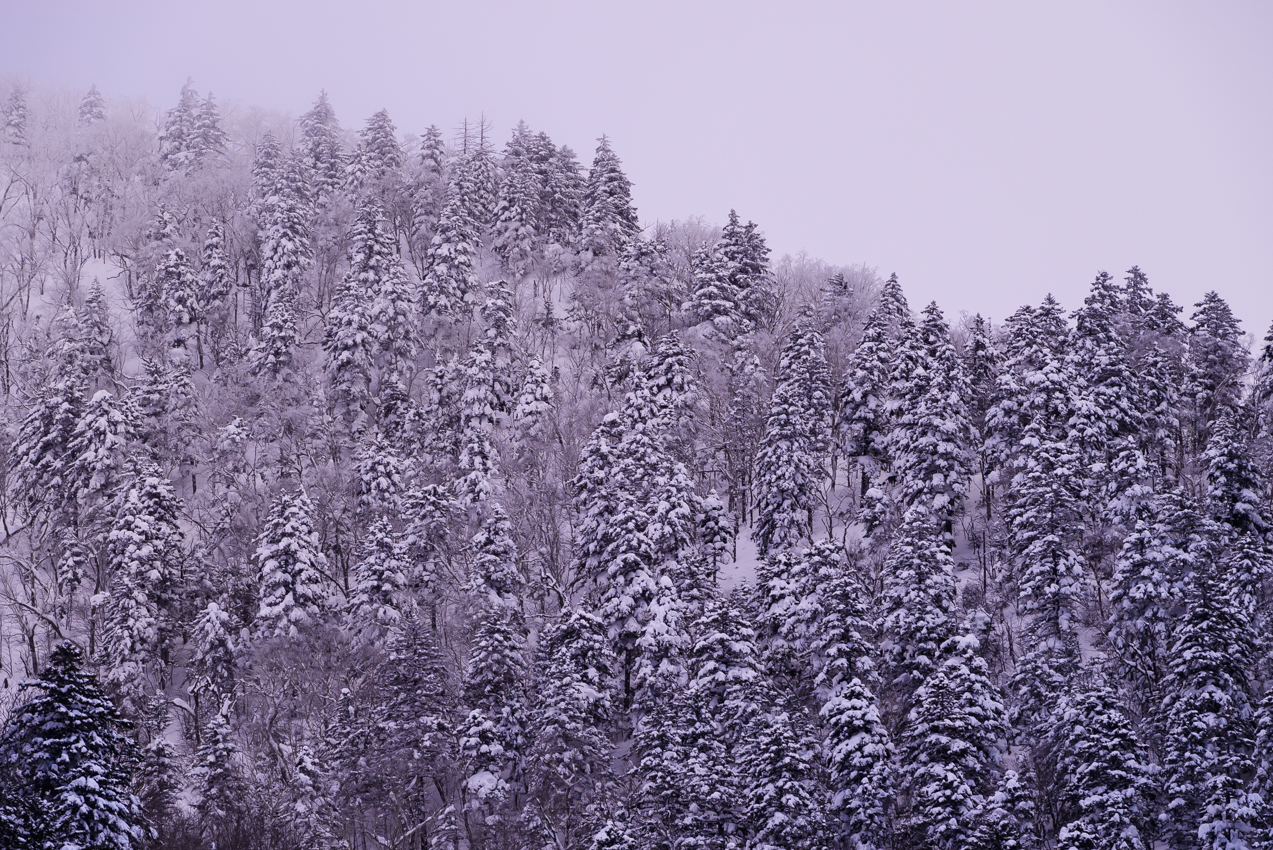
pixel 988 152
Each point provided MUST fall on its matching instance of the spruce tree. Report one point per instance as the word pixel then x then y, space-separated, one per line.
pixel 930 440
pixel 292 567
pixel 1216 362
pixel 1151 572
pixel 789 465
pixel 145 551
pixel 568 768
pixel 222 785
pixel 376 602
pixel 785 805
pixel 449 282
pixel 378 155
pixel 951 741
pixel 517 229
pixel 321 148
pixel 92 107
pixel 65 763
pixel 178 145
pixel 209 138
pixel 715 298
pixel 917 610
pixel 608 219
pixel 214 290
pixel 283 231
pixel 1210 733
pixel 1104 774
pixel 859 756
pixel 414 736
pixel 494 692
pixel 746 256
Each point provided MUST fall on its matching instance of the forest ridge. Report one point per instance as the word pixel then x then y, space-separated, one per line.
pixel 364 490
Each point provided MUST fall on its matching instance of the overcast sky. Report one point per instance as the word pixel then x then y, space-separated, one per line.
pixel 987 152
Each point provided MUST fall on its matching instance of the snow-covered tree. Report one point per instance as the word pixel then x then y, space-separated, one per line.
pixel 951 740
pixel 1104 773
pixel 292 569
pixel 141 611
pixel 221 781
pixel 568 767
pixel 92 107
pixel 1210 732
pixel 789 465
pixel 859 756
pixel 450 281
pixel 65 763
pixel 607 217
pixel 321 149
pixel 380 578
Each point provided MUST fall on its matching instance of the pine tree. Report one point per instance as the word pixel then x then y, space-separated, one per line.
pixel 96 459
pixel 532 411
pixel 178 145
pixel 222 785
pixel 859 754
pixel 180 287
pixel 321 149
pixel 608 219
pixel 348 340
pixel 1104 774
pixel 313 812
pixel 568 767
pixel 1043 517
pixel 294 594
pixel 1261 398
pixel 1101 358
pixel 1216 363
pixel 376 601
pixel 726 696
pixel 953 733
pixel 64 764
pixel 1210 735
pixel 450 281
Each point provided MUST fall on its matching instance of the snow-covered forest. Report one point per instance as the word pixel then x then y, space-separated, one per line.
pixel 363 489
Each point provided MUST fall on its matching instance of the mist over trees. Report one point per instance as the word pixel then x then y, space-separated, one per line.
pixel 364 489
